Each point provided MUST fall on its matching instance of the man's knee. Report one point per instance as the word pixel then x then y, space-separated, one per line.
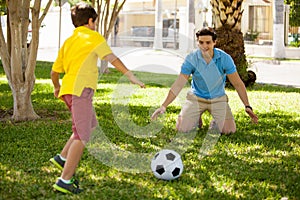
pixel 184 125
pixel 229 127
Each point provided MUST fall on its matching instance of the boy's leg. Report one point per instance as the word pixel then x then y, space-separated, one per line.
pixel 68 99
pixel 65 150
pixel 83 116
pixel 84 120
pixel 74 154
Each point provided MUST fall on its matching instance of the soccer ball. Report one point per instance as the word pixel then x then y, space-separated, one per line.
pixel 167 165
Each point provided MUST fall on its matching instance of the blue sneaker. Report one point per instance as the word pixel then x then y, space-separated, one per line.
pixel 58 162
pixel 70 188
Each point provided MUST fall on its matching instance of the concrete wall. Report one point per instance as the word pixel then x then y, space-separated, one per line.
pixel 266 51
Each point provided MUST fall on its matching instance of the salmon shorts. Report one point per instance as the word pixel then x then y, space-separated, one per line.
pixel 195 106
pixel 84 119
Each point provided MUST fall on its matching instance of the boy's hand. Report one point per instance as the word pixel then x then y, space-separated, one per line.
pixel 56 92
pixel 134 80
pixel 157 112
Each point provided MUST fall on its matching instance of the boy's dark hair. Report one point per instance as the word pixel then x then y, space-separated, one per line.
pixel 81 13
pixel 207 31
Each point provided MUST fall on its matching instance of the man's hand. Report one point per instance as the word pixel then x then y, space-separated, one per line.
pixel 157 112
pixel 250 112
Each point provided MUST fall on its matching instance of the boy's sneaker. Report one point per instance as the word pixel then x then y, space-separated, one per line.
pixel 71 188
pixel 58 162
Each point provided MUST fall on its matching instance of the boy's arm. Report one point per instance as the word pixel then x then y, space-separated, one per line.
pixel 119 65
pixel 55 81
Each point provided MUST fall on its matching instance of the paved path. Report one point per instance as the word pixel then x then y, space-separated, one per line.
pixel 169 61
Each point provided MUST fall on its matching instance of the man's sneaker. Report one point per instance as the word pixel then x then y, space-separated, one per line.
pixel 58 162
pixel 70 188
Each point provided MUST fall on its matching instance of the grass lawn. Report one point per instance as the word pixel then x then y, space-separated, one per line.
pixel 257 162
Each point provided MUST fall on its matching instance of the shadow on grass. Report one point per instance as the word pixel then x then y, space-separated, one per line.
pixel 231 172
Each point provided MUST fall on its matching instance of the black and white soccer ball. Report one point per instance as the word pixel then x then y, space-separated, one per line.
pixel 167 165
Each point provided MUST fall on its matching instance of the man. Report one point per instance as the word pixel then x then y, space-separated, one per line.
pixel 209 68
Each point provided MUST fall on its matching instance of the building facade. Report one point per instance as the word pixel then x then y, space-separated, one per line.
pixel 257 20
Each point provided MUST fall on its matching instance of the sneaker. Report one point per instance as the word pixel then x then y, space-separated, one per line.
pixel 70 188
pixel 58 162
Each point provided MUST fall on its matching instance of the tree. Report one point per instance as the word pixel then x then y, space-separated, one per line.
pixel 294 17
pixel 158 42
pixel 19 61
pixel 278 49
pixel 108 12
pixel 227 15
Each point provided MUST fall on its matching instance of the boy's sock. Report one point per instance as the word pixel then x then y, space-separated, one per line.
pixel 62 158
pixel 65 181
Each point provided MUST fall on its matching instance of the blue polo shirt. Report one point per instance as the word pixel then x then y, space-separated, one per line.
pixel 208 80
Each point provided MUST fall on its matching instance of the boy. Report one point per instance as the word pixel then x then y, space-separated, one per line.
pixel 209 68
pixel 77 59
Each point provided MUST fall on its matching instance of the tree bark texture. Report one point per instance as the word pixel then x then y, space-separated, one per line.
pixel 18 60
pixel 227 21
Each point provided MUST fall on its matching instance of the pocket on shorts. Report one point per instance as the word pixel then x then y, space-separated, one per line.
pixel 87 93
pixel 191 96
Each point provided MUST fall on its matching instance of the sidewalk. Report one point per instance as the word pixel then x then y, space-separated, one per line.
pixel 169 61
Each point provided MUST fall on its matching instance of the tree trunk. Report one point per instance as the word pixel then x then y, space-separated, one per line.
pixel 18 60
pixel 104 67
pixel 158 37
pixel 108 13
pixel 227 17
pixel 23 109
pixel 232 42
pixel 278 49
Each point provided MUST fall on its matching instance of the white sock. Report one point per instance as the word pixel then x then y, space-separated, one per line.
pixel 65 181
pixel 62 158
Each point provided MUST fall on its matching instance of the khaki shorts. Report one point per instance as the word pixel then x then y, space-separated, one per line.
pixel 195 106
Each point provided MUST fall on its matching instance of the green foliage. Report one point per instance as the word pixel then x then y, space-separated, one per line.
pixel 251 35
pixel 294 18
pixel 3 9
pixel 258 162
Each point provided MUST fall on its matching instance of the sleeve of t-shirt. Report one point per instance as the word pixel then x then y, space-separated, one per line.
pixel 187 66
pixel 229 65
pixel 103 48
pixel 58 64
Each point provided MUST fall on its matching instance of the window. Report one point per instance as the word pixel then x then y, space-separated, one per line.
pixel 259 20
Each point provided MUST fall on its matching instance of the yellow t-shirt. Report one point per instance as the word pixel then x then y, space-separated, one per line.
pixel 77 59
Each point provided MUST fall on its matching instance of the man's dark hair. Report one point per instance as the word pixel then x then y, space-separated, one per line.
pixel 207 31
pixel 81 13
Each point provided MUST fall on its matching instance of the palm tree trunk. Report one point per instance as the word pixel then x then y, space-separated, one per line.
pixel 227 17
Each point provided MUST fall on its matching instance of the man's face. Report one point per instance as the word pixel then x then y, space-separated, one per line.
pixel 206 44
